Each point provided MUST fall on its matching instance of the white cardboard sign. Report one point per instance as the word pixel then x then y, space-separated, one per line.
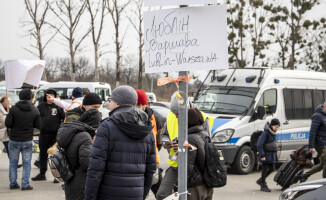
pixel 18 72
pixel 186 39
pixel 177 2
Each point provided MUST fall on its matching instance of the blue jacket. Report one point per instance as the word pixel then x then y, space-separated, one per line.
pixel 271 156
pixel 123 157
pixel 318 128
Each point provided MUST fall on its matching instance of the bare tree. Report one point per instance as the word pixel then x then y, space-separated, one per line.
pixel 116 10
pixel 38 12
pixel 129 65
pixel 138 27
pixel 69 13
pixel 100 7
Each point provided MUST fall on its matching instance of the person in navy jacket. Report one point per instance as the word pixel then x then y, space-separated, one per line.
pixel 123 156
pixel 267 152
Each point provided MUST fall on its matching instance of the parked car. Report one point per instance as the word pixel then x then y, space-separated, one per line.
pixel 161 104
pixel 151 97
pixel 308 190
pixel 161 113
pixel 14 98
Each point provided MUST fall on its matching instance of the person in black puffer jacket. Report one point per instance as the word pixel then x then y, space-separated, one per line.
pixel 22 119
pixel 267 152
pixel 123 158
pixel 52 116
pixel 196 159
pixel 76 138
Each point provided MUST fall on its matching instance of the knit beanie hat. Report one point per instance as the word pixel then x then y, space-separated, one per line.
pixel 77 92
pixel 25 94
pixel 174 105
pixel 142 97
pixel 124 95
pixel 275 122
pixel 92 99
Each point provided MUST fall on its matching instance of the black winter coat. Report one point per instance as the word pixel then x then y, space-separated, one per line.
pixel 22 119
pixel 123 158
pixel 52 116
pixel 196 159
pixel 317 135
pixel 271 156
pixel 75 138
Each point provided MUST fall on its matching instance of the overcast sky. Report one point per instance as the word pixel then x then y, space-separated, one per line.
pixel 12 40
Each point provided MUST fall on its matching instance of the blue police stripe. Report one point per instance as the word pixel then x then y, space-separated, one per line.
pixel 219 122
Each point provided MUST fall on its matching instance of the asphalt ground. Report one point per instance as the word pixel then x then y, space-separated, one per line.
pixel 238 187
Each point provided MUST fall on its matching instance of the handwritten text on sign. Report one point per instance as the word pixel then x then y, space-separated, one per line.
pixel 177 2
pixel 186 39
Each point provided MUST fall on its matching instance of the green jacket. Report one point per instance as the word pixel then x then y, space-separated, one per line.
pixel 74 114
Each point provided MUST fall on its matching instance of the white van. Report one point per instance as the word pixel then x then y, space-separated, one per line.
pixel 239 98
pixel 65 88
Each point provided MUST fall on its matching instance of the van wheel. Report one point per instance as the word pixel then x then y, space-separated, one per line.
pixel 244 161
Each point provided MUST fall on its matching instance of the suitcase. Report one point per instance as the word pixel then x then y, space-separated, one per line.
pixel 288 174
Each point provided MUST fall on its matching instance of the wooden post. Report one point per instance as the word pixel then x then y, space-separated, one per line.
pixel 34 98
pixel 8 99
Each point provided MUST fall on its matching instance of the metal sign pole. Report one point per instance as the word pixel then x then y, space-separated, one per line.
pixel 183 136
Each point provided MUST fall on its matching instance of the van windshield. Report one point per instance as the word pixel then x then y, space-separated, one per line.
pixel 226 100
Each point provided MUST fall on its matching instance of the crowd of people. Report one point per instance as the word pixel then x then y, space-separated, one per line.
pixel 120 153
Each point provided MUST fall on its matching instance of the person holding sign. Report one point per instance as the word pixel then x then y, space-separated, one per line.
pixel 22 119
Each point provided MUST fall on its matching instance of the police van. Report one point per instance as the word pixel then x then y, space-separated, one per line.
pixel 241 101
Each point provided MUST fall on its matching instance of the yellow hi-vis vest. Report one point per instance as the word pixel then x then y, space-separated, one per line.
pixel 172 124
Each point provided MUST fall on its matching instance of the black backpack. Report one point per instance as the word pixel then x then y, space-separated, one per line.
pixel 254 140
pixel 214 172
pixel 59 166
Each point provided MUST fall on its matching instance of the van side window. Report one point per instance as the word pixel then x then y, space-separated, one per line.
pixel 300 104
pixel 269 101
pixel 100 92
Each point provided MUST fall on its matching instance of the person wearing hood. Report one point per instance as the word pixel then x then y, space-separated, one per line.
pixel 267 152
pixel 196 158
pixel 123 157
pixel 76 138
pixel 169 138
pixel 90 101
pixel 52 116
pixel 77 99
pixel 22 119
pixel 317 141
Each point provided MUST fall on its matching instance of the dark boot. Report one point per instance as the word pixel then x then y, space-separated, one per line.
pixel 264 188
pixel 37 163
pixel 39 177
pixel 55 181
pixel 27 188
pixel 259 181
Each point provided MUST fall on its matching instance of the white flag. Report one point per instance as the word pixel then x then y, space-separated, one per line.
pixel 18 72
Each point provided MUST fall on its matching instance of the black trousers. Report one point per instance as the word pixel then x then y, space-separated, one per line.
pixel 268 168
pixel 45 142
pixel 6 146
